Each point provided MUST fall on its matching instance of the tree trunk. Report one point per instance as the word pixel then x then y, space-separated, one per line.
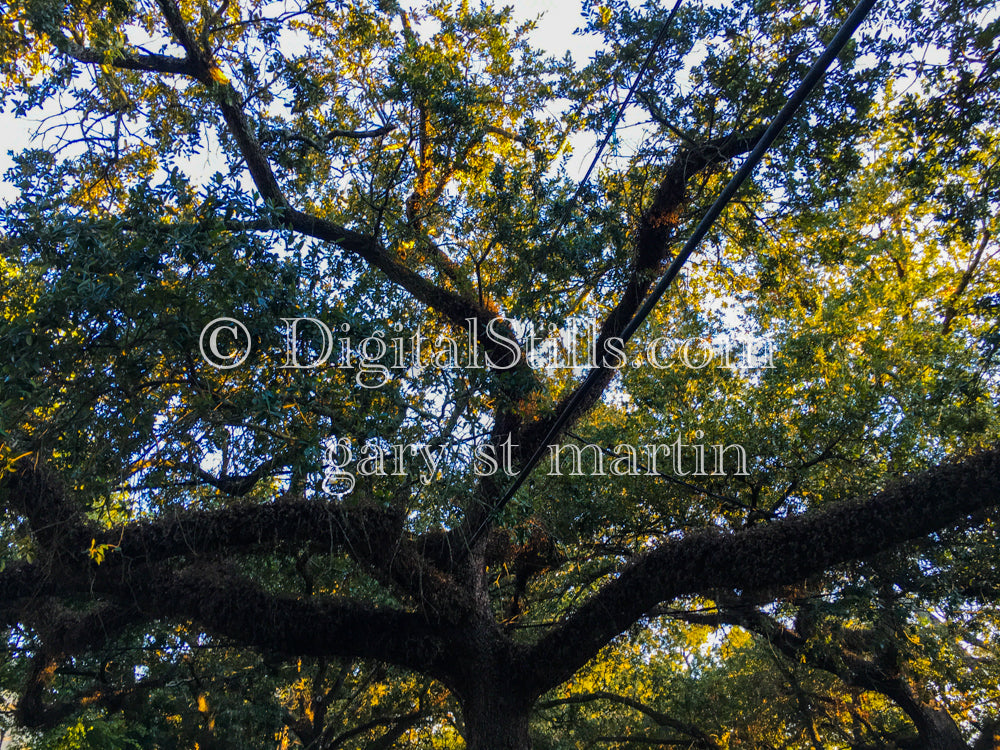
pixel 488 676
pixel 495 718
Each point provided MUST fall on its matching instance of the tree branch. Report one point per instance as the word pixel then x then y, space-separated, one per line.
pixel 126 59
pixel 458 309
pixel 230 605
pixel 324 142
pixel 661 719
pixel 779 553
pixel 656 228
pixel 935 726
pixel 234 485
pixel 368 532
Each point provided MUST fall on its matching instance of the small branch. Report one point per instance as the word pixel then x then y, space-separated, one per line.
pixel 234 485
pixel 951 309
pixel 322 143
pixel 661 719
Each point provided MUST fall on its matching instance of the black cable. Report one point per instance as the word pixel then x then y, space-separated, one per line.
pixel 660 38
pixel 812 78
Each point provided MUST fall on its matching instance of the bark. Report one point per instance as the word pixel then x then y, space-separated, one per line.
pixel 938 731
pixel 486 674
pixel 761 557
pixel 495 710
pixel 230 605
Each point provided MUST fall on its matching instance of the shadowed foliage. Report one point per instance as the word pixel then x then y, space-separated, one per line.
pixel 774 524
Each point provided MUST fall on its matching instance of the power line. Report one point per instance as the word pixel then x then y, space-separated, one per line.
pixel 809 82
pixel 660 38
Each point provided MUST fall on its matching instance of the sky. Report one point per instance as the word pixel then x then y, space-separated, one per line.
pixel 557 19
pixel 555 28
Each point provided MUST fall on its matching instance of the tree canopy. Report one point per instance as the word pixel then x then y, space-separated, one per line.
pixel 292 292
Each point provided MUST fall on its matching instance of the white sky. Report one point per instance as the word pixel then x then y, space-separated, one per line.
pixel 558 19
pixel 555 29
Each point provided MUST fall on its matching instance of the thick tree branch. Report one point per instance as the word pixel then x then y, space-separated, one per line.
pixel 126 59
pixel 778 553
pixel 229 605
pixel 656 229
pixel 367 532
pixel 371 536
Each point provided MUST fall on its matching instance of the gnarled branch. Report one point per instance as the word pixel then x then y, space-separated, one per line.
pixel 759 557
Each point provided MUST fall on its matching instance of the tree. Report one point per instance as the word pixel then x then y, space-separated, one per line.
pixel 194 558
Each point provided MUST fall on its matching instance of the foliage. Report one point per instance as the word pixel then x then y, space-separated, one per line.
pixel 175 574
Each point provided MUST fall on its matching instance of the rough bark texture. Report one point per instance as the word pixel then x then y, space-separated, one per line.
pixel 762 557
pixel 495 720
pixel 442 623
pixel 455 636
